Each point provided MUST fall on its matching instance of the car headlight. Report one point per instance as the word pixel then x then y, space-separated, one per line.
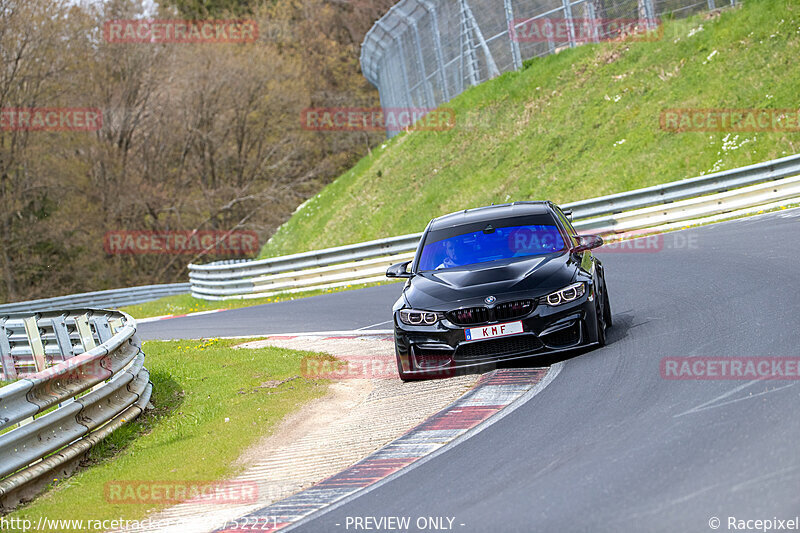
pixel 416 317
pixel 565 295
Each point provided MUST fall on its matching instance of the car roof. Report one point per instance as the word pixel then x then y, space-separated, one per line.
pixel 490 213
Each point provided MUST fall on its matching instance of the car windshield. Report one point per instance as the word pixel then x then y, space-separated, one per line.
pixel 443 249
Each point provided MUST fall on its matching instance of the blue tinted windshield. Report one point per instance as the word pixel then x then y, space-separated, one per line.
pixel 480 247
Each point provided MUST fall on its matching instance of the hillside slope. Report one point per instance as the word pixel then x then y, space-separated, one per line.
pixel 575 125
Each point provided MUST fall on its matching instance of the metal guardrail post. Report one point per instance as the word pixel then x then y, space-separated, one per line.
pixel 9 370
pixel 85 332
pixel 35 342
pixel 62 337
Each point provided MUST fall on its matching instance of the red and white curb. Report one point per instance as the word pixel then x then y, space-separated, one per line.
pixel 496 394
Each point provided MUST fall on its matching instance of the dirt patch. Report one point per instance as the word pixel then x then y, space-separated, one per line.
pixel 356 417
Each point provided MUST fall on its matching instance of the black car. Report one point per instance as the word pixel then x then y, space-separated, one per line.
pixel 498 283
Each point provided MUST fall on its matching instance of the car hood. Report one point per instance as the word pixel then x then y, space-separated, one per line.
pixel 441 290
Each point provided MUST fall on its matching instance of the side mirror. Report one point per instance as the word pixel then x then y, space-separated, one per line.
pixel 588 242
pixel 399 270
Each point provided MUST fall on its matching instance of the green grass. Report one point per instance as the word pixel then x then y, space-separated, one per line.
pixel 570 126
pixel 186 303
pixel 211 403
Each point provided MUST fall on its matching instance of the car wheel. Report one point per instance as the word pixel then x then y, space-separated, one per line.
pixel 606 306
pixel 601 323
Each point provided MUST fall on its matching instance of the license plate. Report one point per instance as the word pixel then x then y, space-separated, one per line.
pixel 497 330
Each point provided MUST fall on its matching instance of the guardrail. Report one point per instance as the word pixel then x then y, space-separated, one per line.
pixel 113 299
pixel 366 262
pixel 80 375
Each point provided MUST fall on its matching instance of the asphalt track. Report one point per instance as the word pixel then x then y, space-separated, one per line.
pixel 610 445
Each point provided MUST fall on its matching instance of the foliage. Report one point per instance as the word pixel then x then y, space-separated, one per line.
pixel 195 136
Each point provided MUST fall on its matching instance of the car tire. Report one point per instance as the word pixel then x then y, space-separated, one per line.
pixel 600 316
pixel 601 328
pixel 606 306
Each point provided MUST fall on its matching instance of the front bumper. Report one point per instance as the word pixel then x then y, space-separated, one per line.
pixel 440 350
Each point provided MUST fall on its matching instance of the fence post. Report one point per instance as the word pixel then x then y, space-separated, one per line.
pixel 647 12
pixel 428 90
pixel 568 18
pixel 516 56
pixel 406 83
pixel 490 64
pixel 467 46
pixel 437 45
pixel 593 21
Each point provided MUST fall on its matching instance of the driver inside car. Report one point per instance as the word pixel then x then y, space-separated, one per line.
pixel 451 258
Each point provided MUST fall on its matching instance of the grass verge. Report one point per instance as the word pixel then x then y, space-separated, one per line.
pixel 211 403
pixel 575 125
